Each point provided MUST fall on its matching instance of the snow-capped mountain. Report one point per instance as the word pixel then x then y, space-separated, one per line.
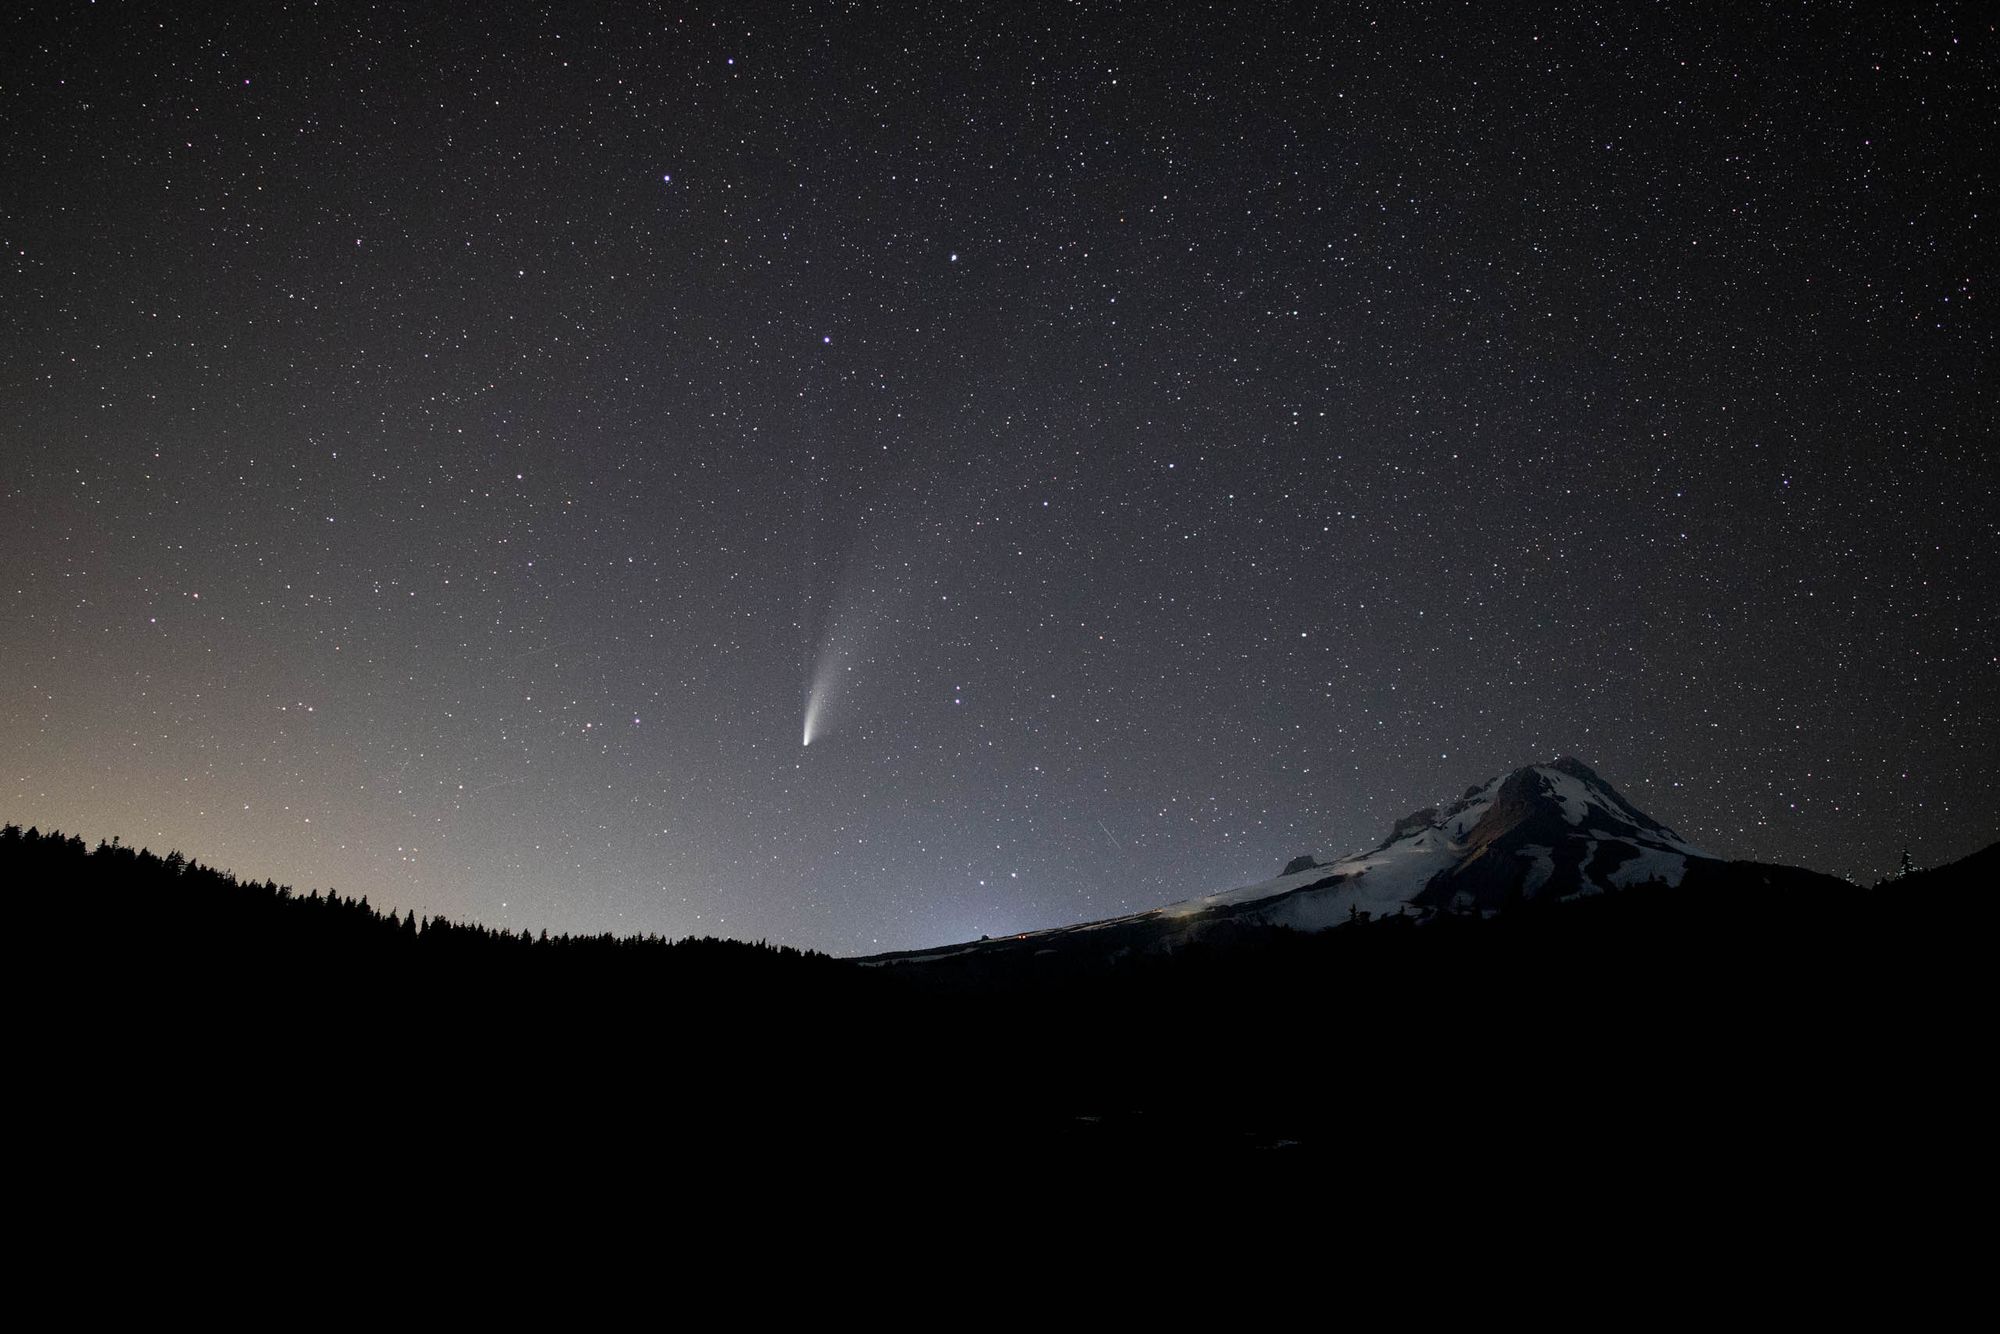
pixel 1549 829
pixel 1545 830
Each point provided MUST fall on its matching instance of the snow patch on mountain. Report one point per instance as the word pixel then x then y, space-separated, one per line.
pixel 1668 864
pixel 1541 869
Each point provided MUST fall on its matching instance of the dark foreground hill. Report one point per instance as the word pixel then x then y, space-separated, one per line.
pixel 1737 1007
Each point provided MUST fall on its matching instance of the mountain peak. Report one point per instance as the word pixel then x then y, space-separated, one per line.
pixel 1547 830
pixel 1550 829
pixel 1575 768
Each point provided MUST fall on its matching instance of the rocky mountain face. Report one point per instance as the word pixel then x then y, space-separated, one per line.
pixel 1549 829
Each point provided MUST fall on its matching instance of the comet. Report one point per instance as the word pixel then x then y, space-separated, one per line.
pixel 853 627
pixel 832 670
pixel 813 698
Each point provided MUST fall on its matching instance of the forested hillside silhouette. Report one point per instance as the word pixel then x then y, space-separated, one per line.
pixel 194 991
pixel 135 901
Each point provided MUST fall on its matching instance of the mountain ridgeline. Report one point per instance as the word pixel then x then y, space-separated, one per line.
pixel 1539 938
pixel 1541 835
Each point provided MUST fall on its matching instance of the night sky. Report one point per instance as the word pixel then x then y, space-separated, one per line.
pixel 447 452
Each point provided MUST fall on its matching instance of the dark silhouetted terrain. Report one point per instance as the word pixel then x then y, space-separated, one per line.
pixel 1748 1003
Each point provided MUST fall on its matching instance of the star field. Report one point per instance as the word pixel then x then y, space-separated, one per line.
pixel 439 445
